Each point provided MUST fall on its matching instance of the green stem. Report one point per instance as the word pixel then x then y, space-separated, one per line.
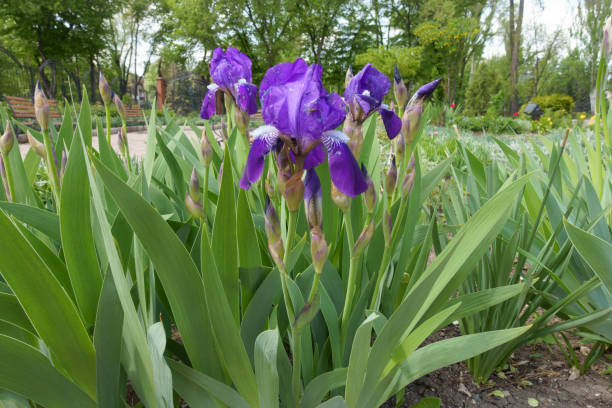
pixel 348 222
pixel 9 176
pixel 314 287
pixel 293 215
pixel 350 294
pixel 295 375
pixel 388 252
pixel 127 147
pixel 108 123
pixel 52 168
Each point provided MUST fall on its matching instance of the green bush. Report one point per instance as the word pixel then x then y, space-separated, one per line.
pixel 493 124
pixel 554 102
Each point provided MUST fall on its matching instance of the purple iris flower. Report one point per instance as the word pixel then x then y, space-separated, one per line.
pixel 301 116
pixel 231 73
pixel 364 95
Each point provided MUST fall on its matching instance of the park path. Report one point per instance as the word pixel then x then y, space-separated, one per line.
pixel 137 141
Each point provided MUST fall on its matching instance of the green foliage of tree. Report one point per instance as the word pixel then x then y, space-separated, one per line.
pixel 407 59
pixel 485 83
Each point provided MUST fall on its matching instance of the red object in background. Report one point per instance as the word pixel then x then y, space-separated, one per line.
pixel 516 114
pixel 452 105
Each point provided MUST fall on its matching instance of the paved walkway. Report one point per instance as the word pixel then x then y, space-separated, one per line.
pixel 137 140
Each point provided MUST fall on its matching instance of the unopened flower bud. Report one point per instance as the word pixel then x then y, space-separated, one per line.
pixel 364 239
pixel 426 90
pixel 38 147
pixel 341 200
pixel 41 108
pixel 241 119
pixel 119 105
pixel 273 232
pixel 105 91
pixel 7 140
pixel 313 202
pixel 399 89
pixel 63 162
pixel 294 191
pixel 408 181
pixel 411 119
pixel 348 77
pixel 122 138
pixel 387 227
pixel 308 312
pixel 400 147
pixel 194 186
pixel 269 185
pixel 369 197
pixel 318 249
pixel 352 128
pixel 391 178
pixel 194 207
pixel 206 149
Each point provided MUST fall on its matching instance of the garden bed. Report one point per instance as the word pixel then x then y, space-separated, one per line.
pixel 539 364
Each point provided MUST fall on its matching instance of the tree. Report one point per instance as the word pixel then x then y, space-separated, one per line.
pixel 588 28
pixel 514 44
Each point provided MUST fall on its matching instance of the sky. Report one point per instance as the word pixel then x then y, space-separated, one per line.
pixel 553 14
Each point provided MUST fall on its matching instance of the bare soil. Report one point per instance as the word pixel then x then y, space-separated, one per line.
pixel 541 365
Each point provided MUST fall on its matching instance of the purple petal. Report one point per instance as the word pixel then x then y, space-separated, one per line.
pixel 426 90
pixel 296 103
pixel 343 168
pixel 209 104
pixel 368 82
pixel 227 68
pixel 265 139
pixel 312 185
pixel 246 97
pixel 315 157
pixel 392 122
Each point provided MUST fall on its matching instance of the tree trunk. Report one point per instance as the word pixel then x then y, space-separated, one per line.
pixel 514 31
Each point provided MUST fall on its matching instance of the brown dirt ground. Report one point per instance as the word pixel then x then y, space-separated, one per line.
pixel 541 364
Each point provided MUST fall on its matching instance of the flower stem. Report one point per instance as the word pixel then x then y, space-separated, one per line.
pixel 293 215
pixel 350 294
pixel 295 375
pixel 108 123
pixel 9 176
pixel 205 194
pixel 314 287
pixel 127 147
pixel 52 168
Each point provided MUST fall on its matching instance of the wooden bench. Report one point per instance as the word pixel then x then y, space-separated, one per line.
pixel 22 108
pixel 133 111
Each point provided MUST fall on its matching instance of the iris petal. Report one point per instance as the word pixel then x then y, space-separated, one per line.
pixel 209 104
pixel 265 140
pixel 392 122
pixel 343 168
pixel 315 157
pixel 246 97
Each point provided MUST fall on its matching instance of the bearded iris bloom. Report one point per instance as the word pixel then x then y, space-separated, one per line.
pixel 231 73
pixel 364 95
pixel 300 117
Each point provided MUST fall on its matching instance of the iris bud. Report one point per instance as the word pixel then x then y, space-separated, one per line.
pixel 400 147
pixel 348 77
pixel 426 90
pixel 391 178
pixel 105 91
pixel 364 239
pixel 408 181
pixel 270 190
pixel 399 89
pixel 273 232
pixel 411 119
pixel 206 149
pixel 122 138
pixel 318 249
pixel 387 226
pixel 313 203
pixel 294 191
pixel 241 119
pixel 369 197
pixel 7 140
pixel 119 105
pixel 194 186
pixel 341 200
pixel 194 208
pixel 308 312
pixel 41 108
pixel 63 162
pixel 38 147
pixel 353 130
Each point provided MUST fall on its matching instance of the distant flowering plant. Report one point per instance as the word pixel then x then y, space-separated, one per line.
pixel 230 72
pixel 452 105
pixel 300 117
